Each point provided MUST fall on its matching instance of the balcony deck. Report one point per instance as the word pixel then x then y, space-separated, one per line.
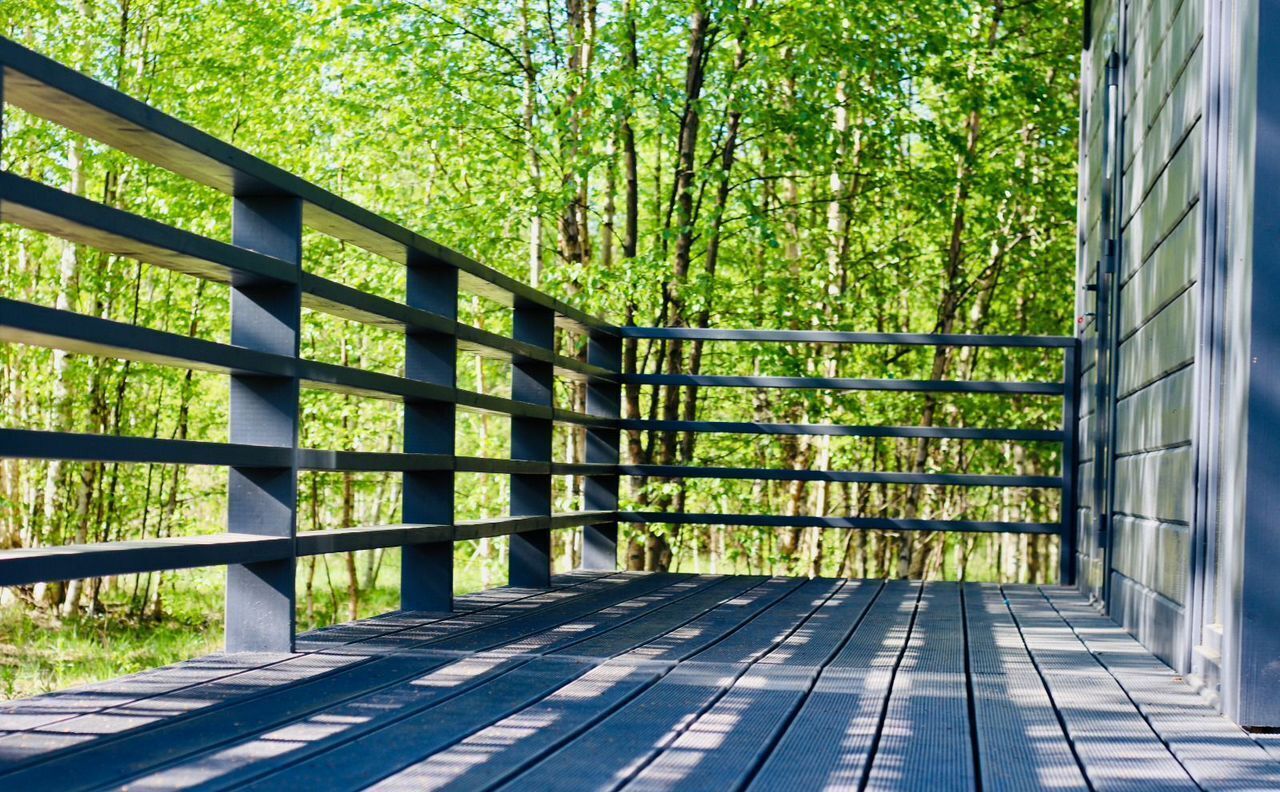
pixel 662 681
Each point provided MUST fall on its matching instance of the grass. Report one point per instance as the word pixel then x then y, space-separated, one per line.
pixel 41 652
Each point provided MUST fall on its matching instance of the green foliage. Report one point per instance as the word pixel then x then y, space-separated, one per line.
pixel 857 165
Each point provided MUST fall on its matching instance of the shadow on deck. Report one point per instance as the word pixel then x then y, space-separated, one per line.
pixel 661 682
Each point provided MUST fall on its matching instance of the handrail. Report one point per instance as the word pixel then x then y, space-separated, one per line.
pixel 46 88
pixel 841 337
pixel 263 267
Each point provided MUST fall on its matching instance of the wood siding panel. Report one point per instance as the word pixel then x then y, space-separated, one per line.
pixel 1151 553
pixel 1165 275
pixel 1160 347
pixel 1156 485
pixel 1158 416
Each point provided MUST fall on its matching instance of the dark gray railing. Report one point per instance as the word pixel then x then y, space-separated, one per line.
pixel 1063 481
pixel 263 267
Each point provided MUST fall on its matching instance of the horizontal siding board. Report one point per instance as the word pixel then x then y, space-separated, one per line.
pixel 1153 553
pixel 1157 485
pixel 1084 497
pixel 1144 17
pixel 1169 271
pixel 1179 117
pixel 1177 189
pixel 1159 623
pixel 1084 438
pixel 1160 347
pixel 1158 416
pixel 1163 64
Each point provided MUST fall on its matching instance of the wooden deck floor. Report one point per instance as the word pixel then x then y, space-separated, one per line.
pixel 661 682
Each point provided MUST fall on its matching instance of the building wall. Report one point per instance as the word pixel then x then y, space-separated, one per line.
pixel 1156 322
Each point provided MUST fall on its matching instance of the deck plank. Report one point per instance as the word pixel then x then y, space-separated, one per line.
pixel 722 748
pixel 296 687
pixel 660 682
pixel 1216 752
pixel 362 739
pixel 828 744
pixel 620 745
pixel 42 711
pixel 491 755
pixel 1021 745
pixel 1114 743
pixel 925 740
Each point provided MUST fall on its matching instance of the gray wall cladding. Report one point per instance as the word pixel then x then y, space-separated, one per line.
pixel 1161 242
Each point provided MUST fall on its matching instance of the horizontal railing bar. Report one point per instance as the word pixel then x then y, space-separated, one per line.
pixel 370 461
pixel 25 323
pixel 345 302
pixel 857 477
pixel 498 526
pixel 369 537
pixel 501 466
pixel 370 384
pixel 579 518
pixel 583 419
pixel 48 89
pixel 49 327
pixel 846 383
pixel 505 526
pixel 74 562
pixel 583 469
pixel 73 218
pixel 942 432
pixel 839 337
pixel 72 446
pixel 870 523
pixel 473 339
pixel 35 444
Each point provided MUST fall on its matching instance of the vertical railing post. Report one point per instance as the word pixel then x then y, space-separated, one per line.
pixel 1070 463
pixel 426 570
pixel 600 491
pixel 532 382
pixel 264 411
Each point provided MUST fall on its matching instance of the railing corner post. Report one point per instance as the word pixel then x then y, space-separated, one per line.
pixel 600 491
pixel 1070 464
pixel 426 570
pixel 265 317
pixel 533 383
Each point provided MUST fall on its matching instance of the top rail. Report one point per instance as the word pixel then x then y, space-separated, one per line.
pixel 840 337
pixel 46 88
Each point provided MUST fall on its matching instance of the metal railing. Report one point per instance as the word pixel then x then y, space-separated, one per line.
pixel 1065 389
pixel 263 268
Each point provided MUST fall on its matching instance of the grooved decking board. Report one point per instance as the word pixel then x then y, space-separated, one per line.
pixel 828 743
pixel 1115 745
pixel 726 743
pixel 489 756
pixel 363 629
pixel 664 682
pixel 1213 750
pixel 103 761
pixel 614 749
pixel 1270 743
pixel 82 713
pixel 1021 744
pixel 42 711
pixel 925 740
pixel 343 735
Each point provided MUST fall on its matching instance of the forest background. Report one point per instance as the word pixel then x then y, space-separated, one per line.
pixel 805 164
